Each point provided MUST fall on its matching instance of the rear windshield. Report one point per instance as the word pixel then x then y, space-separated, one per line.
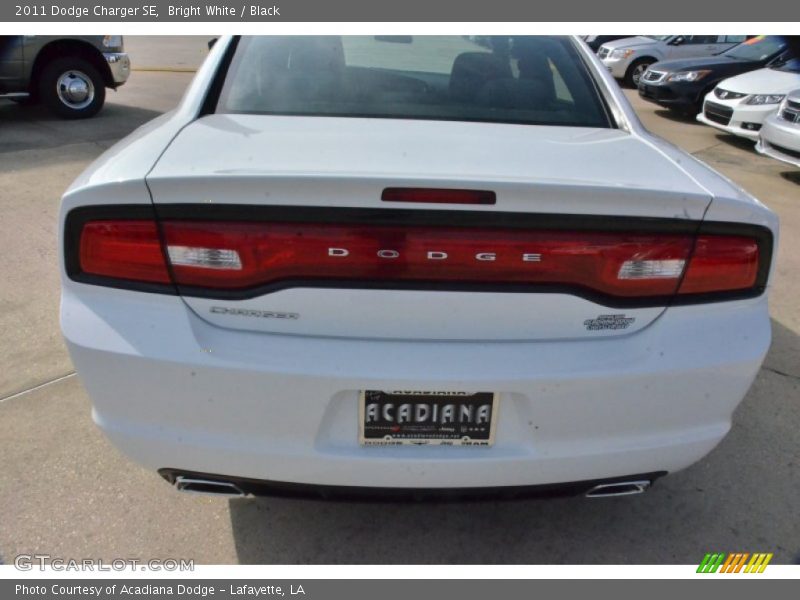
pixel 531 80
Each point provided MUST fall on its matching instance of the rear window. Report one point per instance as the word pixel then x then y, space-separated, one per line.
pixel 530 80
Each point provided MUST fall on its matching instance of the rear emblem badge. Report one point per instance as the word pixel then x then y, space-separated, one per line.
pixel 250 312
pixel 608 322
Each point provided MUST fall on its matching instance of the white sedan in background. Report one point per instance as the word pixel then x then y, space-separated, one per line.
pixel 411 265
pixel 740 104
pixel 780 135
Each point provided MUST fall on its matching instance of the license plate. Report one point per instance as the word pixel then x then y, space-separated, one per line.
pixel 425 418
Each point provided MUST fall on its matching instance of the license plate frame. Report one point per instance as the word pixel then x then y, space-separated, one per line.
pixel 464 423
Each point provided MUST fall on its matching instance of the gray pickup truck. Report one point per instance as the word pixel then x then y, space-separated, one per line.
pixel 68 74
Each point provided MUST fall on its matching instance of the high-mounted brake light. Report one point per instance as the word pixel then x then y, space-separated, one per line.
pixel 243 259
pixel 438 196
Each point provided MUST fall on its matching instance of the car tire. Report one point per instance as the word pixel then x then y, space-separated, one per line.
pixel 72 88
pixel 636 70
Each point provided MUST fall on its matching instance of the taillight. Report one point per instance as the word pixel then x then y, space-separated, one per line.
pixel 239 259
pixel 291 254
pixel 123 249
pixel 721 262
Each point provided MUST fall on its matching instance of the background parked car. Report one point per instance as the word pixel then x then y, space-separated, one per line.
pixel 740 104
pixel 68 74
pixel 780 135
pixel 627 59
pixel 682 84
pixel 595 41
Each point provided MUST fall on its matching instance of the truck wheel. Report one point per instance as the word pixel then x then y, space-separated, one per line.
pixel 72 88
pixel 636 70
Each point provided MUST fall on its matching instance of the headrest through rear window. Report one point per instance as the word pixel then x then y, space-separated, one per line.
pixel 473 70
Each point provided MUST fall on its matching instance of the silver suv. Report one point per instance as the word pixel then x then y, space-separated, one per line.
pixel 68 74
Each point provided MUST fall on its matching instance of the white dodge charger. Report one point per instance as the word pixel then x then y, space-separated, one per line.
pixel 411 265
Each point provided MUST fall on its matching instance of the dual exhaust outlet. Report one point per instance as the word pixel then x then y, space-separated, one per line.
pixel 619 488
pixel 229 489
pixel 208 487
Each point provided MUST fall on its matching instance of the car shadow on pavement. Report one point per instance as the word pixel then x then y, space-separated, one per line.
pixel 680 117
pixel 738 141
pixel 34 128
pixel 793 176
pixel 731 500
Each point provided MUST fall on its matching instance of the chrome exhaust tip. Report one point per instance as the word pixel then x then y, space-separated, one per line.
pixel 619 488
pixel 207 487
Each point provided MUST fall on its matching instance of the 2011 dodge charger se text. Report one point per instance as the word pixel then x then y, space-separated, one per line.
pixel 411 265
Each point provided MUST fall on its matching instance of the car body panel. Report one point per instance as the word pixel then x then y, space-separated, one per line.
pixel 12 63
pixel 177 391
pixel 762 81
pixel 643 47
pixel 656 86
pixel 173 391
pixel 295 161
pixel 595 41
pixel 18 58
pixel 538 159
pixel 780 135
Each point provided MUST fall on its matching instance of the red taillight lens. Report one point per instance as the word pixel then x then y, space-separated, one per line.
pixel 721 263
pixel 438 196
pixel 260 254
pixel 207 257
pixel 125 249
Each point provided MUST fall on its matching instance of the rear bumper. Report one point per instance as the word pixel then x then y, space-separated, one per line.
pixel 260 487
pixel 173 391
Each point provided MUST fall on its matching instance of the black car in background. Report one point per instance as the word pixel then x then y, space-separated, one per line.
pixel 681 85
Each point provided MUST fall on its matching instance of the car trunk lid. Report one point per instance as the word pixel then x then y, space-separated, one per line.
pixel 315 185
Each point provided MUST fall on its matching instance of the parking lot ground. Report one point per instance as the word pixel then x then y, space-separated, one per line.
pixel 167 52
pixel 39 156
pixel 65 491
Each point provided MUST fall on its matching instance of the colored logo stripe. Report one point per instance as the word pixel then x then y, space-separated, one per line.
pixel 734 562
pixel 758 563
pixel 711 563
